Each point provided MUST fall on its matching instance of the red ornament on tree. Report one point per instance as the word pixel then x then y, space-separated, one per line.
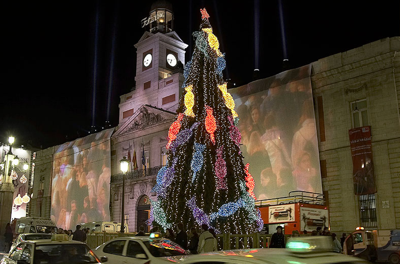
pixel 211 124
pixel 249 181
pixel 174 129
pixel 204 14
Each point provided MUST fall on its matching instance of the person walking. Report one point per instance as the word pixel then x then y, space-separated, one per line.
pixel 181 237
pixel 8 234
pixel 207 242
pixel 342 239
pixel 79 235
pixel 141 231
pixel 336 244
pixel 194 241
pixel 169 233
pixel 278 239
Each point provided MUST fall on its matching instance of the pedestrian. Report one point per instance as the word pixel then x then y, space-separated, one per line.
pixel 342 239
pixel 194 241
pixel 61 231
pixel 169 233
pixel 278 239
pixel 336 244
pixel 316 232
pixel 8 234
pixel 181 237
pixel 326 231
pixel 79 235
pixel 207 242
pixel 141 231
pixel 305 232
pixel 295 233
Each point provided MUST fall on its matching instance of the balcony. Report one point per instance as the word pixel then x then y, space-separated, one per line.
pixel 136 174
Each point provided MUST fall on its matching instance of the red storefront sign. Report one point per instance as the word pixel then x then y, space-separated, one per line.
pixel 361 153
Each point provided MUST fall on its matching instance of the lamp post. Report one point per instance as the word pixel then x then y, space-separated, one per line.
pixel 7 187
pixel 124 165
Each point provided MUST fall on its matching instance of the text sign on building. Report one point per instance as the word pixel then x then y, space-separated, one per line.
pixel 281 214
pixel 361 153
pixel 311 218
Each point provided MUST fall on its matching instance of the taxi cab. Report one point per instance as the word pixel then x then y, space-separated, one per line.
pixel 140 250
pixel 29 237
pixel 47 251
pixel 299 250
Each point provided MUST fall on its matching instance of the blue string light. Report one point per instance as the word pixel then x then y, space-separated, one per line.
pixel 197 160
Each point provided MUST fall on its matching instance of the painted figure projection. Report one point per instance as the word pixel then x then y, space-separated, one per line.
pixel 279 135
pixel 81 181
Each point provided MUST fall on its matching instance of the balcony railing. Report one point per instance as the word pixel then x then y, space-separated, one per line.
pixel 136 174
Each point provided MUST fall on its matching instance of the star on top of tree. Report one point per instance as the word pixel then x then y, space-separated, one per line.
pixel 204 14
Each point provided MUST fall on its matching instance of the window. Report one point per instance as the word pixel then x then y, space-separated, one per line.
pixel 168 99
pixel 163 156
pixel 367 205
pixel 26 253
pixel 127 113
pixel 16 254
pixel 147 85
pixel 115 247
pixel 134 248
pixel 359 113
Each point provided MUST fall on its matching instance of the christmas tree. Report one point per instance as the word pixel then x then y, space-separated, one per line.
pixel 205 180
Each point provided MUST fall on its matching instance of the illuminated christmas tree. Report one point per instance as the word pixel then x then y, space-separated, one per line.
pixel 205 180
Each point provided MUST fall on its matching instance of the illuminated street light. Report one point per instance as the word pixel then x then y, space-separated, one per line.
pixel 124 165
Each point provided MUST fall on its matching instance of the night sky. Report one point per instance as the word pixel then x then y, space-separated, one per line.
pixel 48 52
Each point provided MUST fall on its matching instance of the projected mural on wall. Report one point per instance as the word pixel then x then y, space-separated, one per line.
pixel 279 136
pixel 81 181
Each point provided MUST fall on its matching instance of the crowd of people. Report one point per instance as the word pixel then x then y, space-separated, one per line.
pixel 279 137
pixel 80 184
pixel 192 241
pixel 79 234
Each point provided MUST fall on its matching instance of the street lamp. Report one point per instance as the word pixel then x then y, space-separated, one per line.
pixel 124 165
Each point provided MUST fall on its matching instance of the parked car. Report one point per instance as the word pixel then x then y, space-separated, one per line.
pixel 29 237
pixel 140 250
pixel 49 252
pixel 302 250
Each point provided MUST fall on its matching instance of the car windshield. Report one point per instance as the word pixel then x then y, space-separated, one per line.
pixel 44 229
pixel 64 254
pixel 37 237
pixel 164 248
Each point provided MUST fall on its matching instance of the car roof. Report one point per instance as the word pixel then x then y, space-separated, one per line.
pixel 35 234
pixel 49 241
pixel 269 256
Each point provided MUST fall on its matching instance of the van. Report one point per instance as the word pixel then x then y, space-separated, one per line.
pixel 108 227
pixel 34 225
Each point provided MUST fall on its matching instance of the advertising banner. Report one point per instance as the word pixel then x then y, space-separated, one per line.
pixel 279 135
pixel 281 213
pixel 311 218
pixel 361 153
pixel 81 181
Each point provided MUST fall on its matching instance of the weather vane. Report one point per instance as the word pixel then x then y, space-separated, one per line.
pixel 204 14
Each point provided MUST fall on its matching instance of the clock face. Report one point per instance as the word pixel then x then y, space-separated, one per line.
pixel 171 59
pixel 147 60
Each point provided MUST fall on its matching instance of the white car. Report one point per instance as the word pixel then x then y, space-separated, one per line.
pixel 49 252
pixel 307 250
pixel 140 250
pixel 29 237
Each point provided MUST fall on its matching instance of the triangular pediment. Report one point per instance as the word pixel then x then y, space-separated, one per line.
pixel 174 36
pixel 145 117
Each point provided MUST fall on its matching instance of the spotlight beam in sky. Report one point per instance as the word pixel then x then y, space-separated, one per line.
pixel 95 65
pixel 111 73
pixel 283 32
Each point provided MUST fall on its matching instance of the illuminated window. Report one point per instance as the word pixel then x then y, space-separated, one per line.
pixel 163 156
pixel 367 205
pixel 359 113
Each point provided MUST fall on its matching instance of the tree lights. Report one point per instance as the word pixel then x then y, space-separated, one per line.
pixel 205 180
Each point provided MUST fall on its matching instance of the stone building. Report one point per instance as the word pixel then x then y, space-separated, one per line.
pixel 360 87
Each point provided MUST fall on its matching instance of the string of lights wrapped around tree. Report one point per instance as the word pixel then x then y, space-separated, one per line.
pixel 249 181
pixel 205 180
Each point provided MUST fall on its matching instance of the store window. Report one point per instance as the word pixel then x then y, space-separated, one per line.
pixel 367 205
pixel 359 112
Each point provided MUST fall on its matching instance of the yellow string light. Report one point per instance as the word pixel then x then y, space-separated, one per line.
pixel 213 41
pixel 229 102
pixel 189 101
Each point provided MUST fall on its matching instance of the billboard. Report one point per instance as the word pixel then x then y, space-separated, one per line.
pixel 363 167
pixel 80 187
pixel 312 218
pixel 279 135
pixel 281 213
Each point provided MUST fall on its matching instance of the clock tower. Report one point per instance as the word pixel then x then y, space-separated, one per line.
pixel 160 56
